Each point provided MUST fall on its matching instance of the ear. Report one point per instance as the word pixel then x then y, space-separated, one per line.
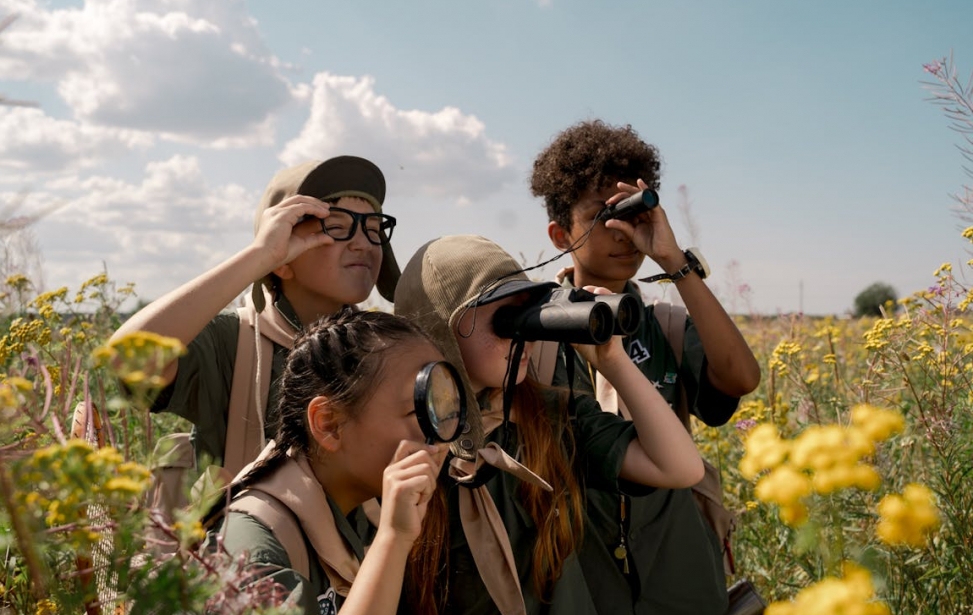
pixel 559 236
pixel 324 423
pixel 284 272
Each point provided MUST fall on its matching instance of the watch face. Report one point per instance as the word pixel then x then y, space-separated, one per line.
pixel 700 266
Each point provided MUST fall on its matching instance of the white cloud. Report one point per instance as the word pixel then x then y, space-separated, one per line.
pixel 159 233
pixel 32 142
pixel 193 71
pixel 445 154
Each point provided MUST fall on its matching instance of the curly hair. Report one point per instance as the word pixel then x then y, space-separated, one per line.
pixel 590 155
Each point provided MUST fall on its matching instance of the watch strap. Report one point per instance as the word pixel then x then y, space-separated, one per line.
pixel 692 264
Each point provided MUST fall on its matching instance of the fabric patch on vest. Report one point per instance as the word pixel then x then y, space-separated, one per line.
pixel 669 378
pixel 327 602
pixel 638 353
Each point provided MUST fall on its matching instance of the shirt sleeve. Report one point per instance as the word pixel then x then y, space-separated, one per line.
pixel 201 391
pixel 601 440
pixel 266 559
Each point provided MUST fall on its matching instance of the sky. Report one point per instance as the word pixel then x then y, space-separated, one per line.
pixel 801 152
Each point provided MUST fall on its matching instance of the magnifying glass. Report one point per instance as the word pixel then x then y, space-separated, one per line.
pixel 440 402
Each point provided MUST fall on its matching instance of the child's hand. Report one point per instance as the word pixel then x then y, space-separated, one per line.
pixel 600 356
pixel 649 231
pixel 407 486
pixel 287 230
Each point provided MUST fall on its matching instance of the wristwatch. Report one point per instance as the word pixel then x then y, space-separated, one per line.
pixel 694 262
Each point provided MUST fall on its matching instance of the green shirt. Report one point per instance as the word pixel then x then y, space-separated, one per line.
pixel 601 440
pixel 200 392
pixel 674 557
pixel 267 558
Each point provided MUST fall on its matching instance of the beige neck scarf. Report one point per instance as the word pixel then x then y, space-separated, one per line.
pixel 483 526
pixel 294 484
pixel 246 418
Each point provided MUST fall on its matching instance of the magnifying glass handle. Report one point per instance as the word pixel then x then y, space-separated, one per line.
pixel 429 440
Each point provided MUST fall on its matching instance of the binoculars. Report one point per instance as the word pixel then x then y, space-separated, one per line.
pixel 571 315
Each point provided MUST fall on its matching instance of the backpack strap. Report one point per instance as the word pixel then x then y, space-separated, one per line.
pixel 245 421
pixel 673 321
pixel 279 519
pixel 708 493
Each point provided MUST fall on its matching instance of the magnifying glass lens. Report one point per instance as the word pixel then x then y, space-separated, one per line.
pixel 443 402
pixel 440 402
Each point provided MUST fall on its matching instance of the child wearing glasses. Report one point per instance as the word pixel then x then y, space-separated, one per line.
pixel 307 260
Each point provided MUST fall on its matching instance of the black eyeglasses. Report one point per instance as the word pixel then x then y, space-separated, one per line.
pixel 342 224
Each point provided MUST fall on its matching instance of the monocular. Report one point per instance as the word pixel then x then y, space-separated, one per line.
pixel 631 205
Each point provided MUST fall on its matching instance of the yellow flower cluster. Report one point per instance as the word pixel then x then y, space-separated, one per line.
pixel 13 391
pixel 908 519
pixel 779 357
pixel 878 337
pixel 764 450
pixel 18 282
pixel 878 424
pixel 852 594
pixel 752 409
pixel 139 358
pixel 822 459
pixel 46 607
pixel 832 454
pixel 23 331
pixel 57 484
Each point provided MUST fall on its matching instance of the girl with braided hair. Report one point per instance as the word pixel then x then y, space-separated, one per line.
pixel 340 441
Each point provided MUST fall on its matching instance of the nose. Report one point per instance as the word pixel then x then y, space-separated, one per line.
pixel 618 236
pixel 359 241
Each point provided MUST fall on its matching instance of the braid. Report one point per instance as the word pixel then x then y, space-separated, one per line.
pixel 339 357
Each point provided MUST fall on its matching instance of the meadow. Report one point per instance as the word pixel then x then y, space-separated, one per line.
pixel 848 469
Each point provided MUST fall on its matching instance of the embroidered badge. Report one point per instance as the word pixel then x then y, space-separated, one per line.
pixel 638 352
pixel 327 602
pixel 669 378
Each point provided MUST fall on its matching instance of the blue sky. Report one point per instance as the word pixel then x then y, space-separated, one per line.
pixel 812 161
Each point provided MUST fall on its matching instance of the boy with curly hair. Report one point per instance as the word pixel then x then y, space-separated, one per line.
pixel 646 553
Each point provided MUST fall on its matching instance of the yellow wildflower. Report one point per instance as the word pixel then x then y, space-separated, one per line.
pixel 908 519
pixel 21 384
pixel 853 593
pixel 793 515
pixel 764 450
pixel 124 485
pixel 878 424
pixel 18 281
pixel 784 486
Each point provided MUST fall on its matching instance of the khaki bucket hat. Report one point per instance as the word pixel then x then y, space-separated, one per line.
pixel 447 277
pixel 329 180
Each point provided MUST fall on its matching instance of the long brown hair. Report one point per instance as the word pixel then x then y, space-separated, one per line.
pixel 548 450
